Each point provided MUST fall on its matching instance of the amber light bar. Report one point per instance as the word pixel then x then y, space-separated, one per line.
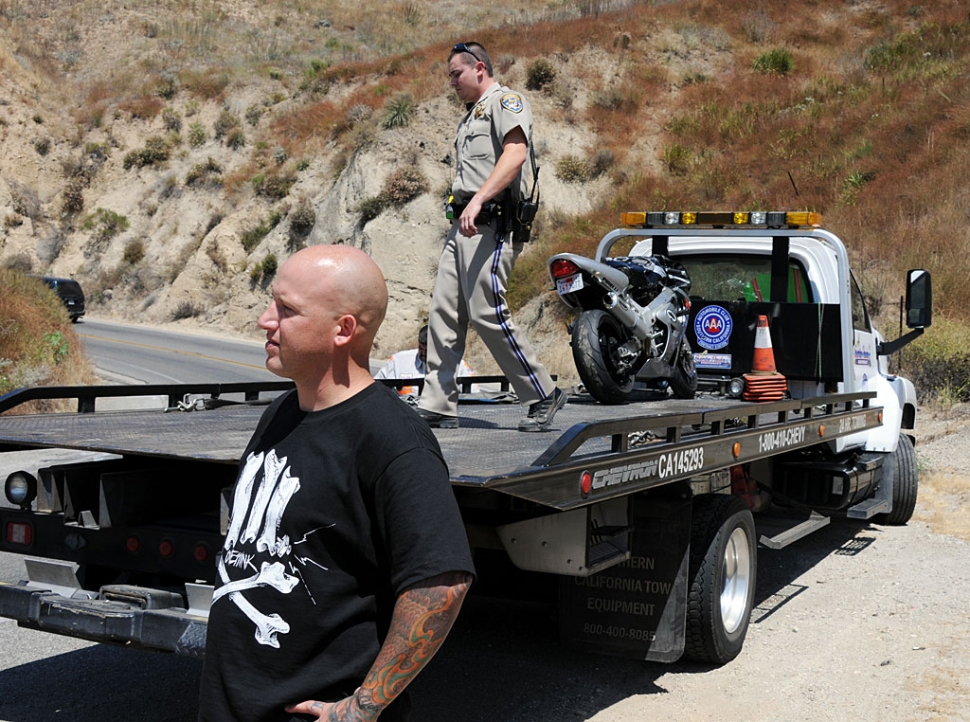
pixel 721 219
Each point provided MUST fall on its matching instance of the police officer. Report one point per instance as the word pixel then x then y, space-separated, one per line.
pixel 491 149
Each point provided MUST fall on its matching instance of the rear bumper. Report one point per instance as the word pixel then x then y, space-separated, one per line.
pixel 112 622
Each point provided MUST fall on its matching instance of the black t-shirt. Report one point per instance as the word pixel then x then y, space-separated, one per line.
pixel 334 514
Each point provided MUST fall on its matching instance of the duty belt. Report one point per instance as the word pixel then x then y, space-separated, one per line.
pixel 490 211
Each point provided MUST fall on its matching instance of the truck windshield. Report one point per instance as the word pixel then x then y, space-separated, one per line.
pixel 741 278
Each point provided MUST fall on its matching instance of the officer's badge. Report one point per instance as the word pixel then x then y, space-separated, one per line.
pixel 512 102
pixel 479 111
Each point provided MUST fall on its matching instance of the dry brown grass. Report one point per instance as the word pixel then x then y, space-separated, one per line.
pixel 944 503
pixel 39 346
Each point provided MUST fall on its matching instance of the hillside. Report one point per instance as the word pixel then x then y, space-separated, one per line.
pixel 171 154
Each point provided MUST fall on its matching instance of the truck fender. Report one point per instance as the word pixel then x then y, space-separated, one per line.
pixel 897 397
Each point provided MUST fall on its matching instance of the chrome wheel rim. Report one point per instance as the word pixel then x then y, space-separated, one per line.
pixel 736 573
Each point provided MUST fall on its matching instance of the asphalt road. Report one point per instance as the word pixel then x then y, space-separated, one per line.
pixel 126 353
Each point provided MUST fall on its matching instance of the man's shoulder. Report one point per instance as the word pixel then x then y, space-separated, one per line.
pixel 509 100
pixel 513 102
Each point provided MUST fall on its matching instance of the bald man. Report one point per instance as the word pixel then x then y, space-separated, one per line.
pixel 345 561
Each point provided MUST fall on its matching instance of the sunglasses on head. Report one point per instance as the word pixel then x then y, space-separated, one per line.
pixel 463 48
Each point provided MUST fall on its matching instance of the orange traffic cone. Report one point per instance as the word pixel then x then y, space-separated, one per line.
pixel 764 383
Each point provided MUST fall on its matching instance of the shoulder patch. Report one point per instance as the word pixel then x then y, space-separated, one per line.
pixel 512 102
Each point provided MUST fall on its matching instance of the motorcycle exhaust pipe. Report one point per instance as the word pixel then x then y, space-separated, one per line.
pixel 622 313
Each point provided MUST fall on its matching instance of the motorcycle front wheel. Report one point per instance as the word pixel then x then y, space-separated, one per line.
pixel 683 381
pixel 596 337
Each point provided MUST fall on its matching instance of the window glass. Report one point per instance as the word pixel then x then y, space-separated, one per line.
pixel 741 278
pixel 860 319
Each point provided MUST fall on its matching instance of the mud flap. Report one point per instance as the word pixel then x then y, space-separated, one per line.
pixel 636 608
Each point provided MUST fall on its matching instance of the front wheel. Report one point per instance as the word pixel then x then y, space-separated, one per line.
pixel 683 382
pixel 905 484
pixel 723 568
pixel 597 336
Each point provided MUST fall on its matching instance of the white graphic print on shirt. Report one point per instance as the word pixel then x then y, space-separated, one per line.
pixel 262 515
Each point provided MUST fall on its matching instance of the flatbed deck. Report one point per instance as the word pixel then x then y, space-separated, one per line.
pixel 658 439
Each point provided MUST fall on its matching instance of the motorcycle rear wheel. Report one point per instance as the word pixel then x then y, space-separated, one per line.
pixel 596 336
pixel 683 382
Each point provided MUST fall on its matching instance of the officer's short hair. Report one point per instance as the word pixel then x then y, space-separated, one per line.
pixel 473 52
pixel 423 336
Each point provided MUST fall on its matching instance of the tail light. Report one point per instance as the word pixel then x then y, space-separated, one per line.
pixel 562 268
pixel 201 552
pixel 20 533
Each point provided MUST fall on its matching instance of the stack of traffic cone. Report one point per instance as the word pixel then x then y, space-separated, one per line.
pixel 764 383
pixel 744 486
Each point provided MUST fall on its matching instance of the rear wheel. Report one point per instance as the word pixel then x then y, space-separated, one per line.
pixel 723 569
pixel 905 484
pixel 683 382
pixel 596 338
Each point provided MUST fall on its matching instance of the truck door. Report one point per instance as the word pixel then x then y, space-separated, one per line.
pixel 864 356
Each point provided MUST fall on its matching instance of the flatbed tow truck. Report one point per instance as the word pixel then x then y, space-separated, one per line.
pixel 641 521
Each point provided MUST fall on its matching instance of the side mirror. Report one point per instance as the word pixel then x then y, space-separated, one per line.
pixel 919 299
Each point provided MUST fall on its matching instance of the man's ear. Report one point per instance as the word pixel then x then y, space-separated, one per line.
pixel 346 329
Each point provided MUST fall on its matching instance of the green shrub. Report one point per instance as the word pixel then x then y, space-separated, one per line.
pixel 938 363
pixel 167 87
pixel 269 264
pixel 399 111
pixel 276 186
pixel 236 139
pixel 197 134
pixel 172 120
pixel 539 74
pixel 775 62
pixel 72 197
pixel 207 172
pixel 105 224
pixel 253 114
pixel 224 123
pixel 573 169
pixel 677 158
pixel 134 252
pixel 302 221
pixel 186 309
pixel 59 347
pixel 156 150
pixel 275 216
pixel 251 237
pixel 370 208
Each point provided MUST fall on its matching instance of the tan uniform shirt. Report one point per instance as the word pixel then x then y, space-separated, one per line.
pixel 478 144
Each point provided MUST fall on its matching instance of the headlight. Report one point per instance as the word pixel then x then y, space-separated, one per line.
pixel 20 489
pixel 736 387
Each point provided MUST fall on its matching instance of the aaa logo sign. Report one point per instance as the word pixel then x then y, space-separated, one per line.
pixel 713 326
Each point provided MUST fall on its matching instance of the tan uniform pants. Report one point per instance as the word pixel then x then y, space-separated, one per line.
pixel 470 288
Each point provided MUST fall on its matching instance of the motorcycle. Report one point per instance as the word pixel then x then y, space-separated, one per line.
pixel 632 326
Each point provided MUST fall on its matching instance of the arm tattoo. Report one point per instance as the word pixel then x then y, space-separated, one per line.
pixel 423 616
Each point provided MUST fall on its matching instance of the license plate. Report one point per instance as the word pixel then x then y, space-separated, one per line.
pixel 570 285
